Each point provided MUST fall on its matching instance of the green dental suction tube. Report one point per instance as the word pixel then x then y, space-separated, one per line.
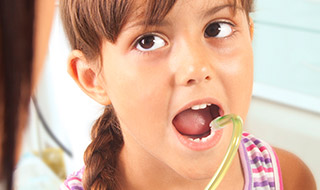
pixel 218 124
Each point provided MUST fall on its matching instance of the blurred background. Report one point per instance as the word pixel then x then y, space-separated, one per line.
pixel 285 109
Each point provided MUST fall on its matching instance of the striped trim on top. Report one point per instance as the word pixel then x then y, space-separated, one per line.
pixel 260 164
pixel 74 181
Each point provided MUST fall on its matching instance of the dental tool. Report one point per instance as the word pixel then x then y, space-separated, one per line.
pixel 217 124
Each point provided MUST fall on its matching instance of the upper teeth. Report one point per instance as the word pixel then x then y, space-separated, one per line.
pixel 201 106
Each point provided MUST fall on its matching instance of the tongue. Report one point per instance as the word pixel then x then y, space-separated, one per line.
pixel 193 122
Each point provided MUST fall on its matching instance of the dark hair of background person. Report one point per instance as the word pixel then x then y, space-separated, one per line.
pixel 16 52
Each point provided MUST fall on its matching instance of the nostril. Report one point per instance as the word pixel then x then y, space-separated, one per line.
pixel 191 81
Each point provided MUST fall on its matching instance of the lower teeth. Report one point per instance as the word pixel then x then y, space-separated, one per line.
pixel 203 139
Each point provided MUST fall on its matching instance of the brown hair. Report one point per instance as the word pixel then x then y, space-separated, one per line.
pixel 87 23
pixel 16 52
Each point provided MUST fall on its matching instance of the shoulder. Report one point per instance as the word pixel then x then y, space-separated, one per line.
pixel 295 173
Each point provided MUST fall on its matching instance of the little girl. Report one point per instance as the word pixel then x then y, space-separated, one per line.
pixel 165 69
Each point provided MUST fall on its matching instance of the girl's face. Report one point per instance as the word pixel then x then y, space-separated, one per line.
pixel 200 54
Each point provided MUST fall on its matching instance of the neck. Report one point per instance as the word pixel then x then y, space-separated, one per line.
pixel 140 170
pixel 143 171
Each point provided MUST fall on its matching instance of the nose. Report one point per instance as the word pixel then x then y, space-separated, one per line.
pixel 193 65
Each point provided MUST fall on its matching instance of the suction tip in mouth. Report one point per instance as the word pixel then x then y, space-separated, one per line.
pixel 195 121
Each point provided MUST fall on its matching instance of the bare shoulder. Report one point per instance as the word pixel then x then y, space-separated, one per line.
pixel 295 173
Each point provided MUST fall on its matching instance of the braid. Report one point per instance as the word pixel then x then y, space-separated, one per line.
pixel 102 154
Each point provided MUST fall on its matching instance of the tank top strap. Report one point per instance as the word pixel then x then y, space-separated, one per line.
pixel 73 181
pixel 260 164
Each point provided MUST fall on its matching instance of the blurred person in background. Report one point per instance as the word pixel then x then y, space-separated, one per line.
pixel 24 32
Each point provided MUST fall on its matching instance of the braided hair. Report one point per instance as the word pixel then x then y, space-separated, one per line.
pixel 102 154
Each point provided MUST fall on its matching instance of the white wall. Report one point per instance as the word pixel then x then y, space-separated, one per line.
pixel 289 128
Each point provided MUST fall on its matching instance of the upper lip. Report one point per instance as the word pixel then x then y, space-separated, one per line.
pixel 199 102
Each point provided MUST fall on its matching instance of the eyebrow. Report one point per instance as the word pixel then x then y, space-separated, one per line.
pixel 143 23
pixel 216 9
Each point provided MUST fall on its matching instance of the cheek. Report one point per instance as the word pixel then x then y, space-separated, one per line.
pixel 137 91
pixel 238 80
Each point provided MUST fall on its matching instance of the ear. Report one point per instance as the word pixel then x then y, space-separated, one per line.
pixel 251 27
pixel 86 75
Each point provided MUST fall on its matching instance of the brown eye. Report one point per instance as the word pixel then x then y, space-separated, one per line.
pixel 218 30
pixel 150 43
pixel 146 42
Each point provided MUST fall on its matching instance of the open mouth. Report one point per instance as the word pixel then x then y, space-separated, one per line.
pixel 193 124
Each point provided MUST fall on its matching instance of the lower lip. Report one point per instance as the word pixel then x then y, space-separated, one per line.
pixel 211 141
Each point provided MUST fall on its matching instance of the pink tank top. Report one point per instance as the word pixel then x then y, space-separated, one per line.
pixel 259 162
